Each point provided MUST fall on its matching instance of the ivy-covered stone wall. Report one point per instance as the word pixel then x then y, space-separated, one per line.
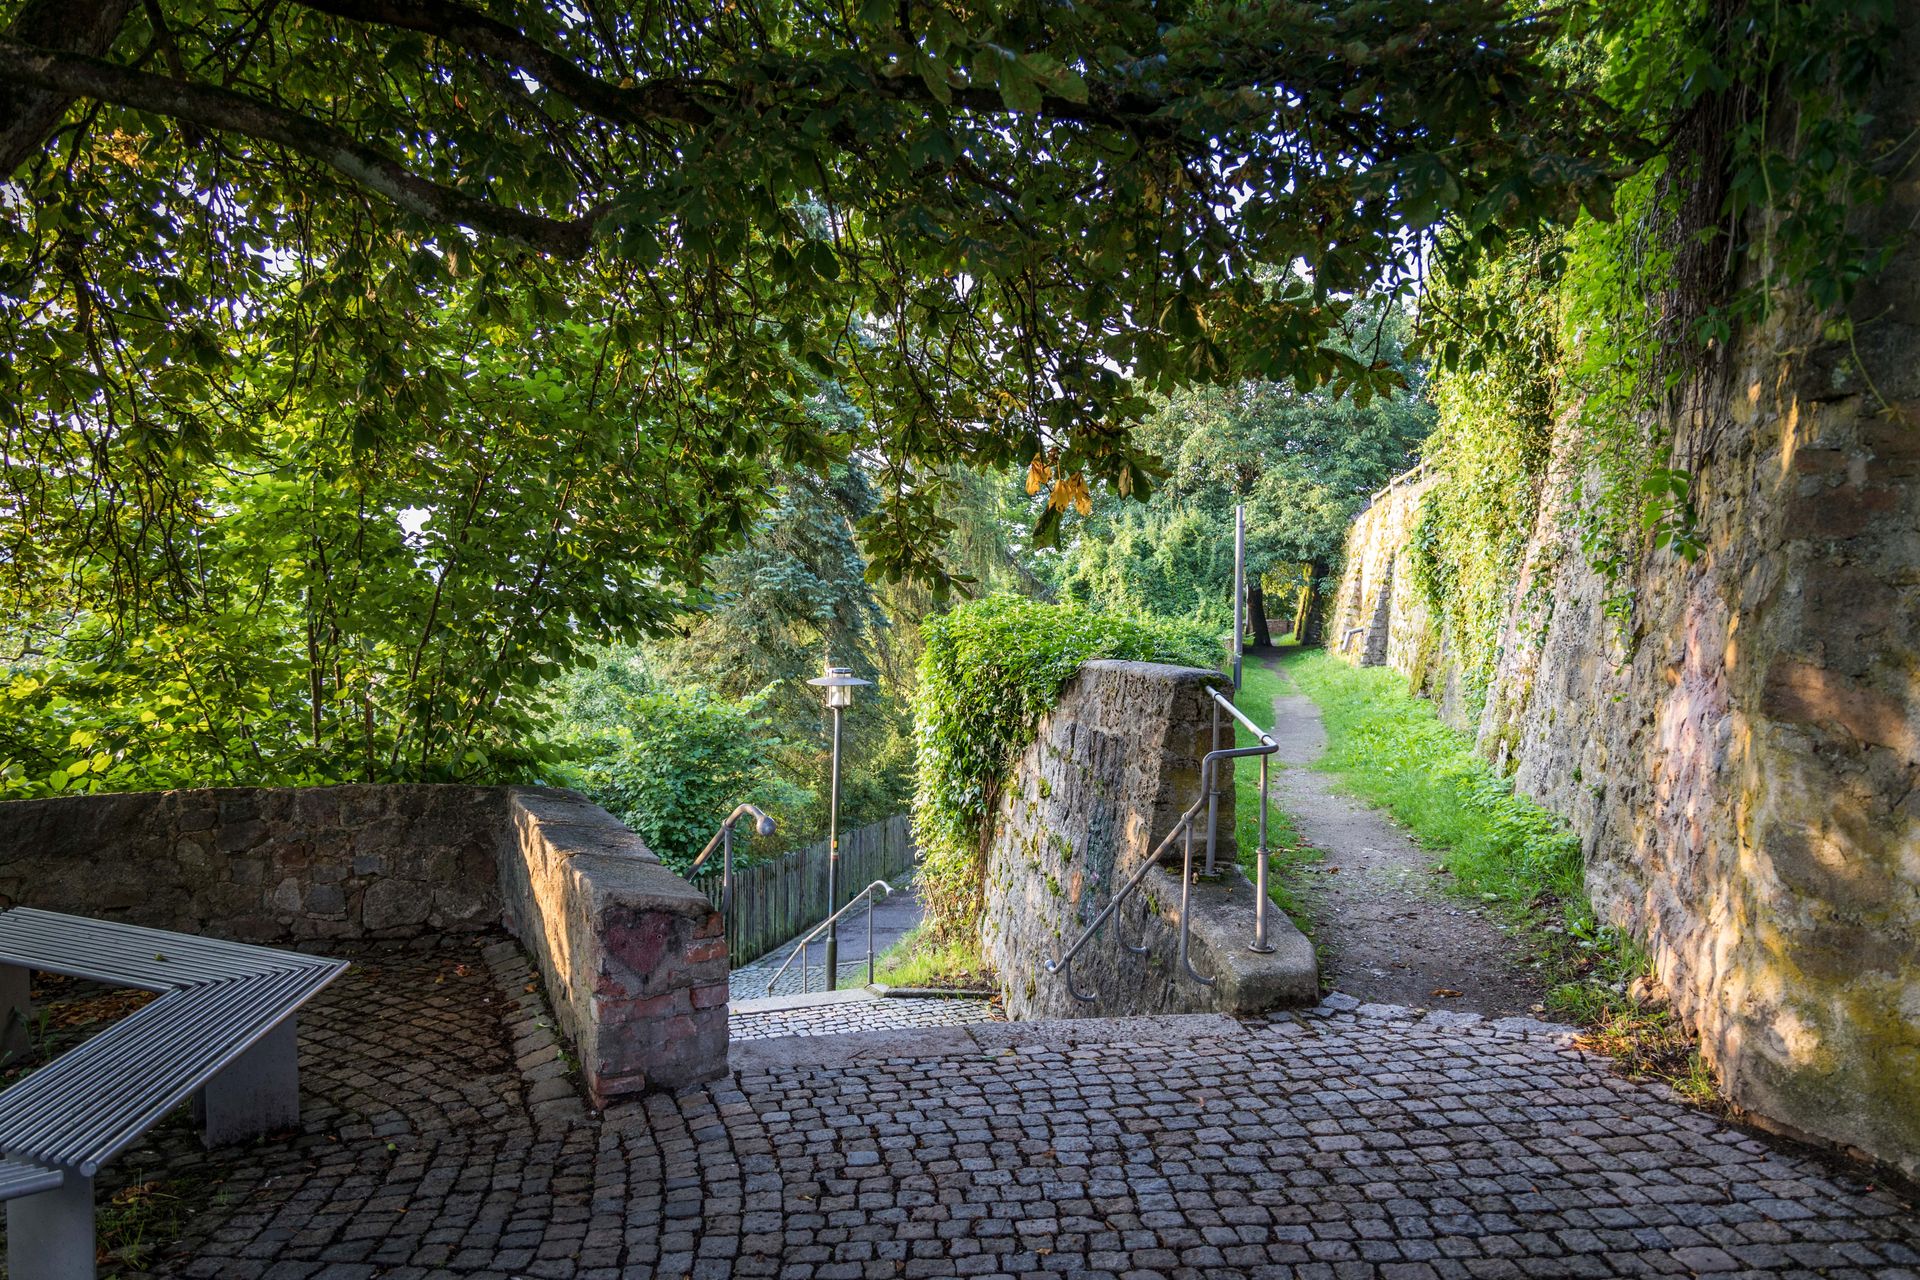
pixel 1378 615
pixel 1739 746
pixel 1113 767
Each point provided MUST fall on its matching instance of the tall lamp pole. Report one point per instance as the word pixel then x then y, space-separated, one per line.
pixel 1239 589
pixel 839 684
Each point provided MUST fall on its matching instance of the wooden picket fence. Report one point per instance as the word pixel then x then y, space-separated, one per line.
pixel 778 899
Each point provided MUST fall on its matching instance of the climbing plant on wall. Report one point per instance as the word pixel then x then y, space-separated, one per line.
pixel 1611 327
pixel 990 670
pixel 1496 397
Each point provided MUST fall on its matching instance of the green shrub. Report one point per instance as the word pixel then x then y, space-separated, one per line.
pixel 672 763
pixel 989 671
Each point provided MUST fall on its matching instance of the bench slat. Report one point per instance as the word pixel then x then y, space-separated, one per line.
pixel 92 1102
pixel 18 1178
pixel 131 955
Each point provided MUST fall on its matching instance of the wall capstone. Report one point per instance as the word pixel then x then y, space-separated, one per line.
pixel 634 957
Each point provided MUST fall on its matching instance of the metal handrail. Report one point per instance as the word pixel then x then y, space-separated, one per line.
pixel 1183 826
pixel 800 950
pixel 762 825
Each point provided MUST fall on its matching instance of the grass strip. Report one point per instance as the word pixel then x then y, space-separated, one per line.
pixel 1391 749
pixel 1259 686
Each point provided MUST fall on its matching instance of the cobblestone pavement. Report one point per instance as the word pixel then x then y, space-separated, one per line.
pixel 441 1137
pixel 893 917
pixel 866 1013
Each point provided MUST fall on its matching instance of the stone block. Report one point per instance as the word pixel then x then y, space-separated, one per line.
pixel 326 900
pixel 388 904
pixel 618 938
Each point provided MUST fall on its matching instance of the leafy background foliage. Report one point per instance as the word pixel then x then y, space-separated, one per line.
pixel 314 471
pixel 1302 463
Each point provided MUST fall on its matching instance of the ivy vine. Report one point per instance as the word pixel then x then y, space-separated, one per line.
pixel 1761 151
pixel 990 670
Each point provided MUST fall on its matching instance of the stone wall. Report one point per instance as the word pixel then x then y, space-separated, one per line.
pixel 261 864
pixel 1376 615
pixel 1742 757
pixel 633 956
pixel 1110 771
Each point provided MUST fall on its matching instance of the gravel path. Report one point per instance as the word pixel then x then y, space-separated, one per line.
pixel 1386 930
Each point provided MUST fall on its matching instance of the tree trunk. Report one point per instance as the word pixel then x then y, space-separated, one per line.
pixel 1307 619
pixel 1257 610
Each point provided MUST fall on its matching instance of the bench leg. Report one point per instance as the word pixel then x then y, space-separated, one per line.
pixel 50 1233
pixel 257 1093
pixel 16 1007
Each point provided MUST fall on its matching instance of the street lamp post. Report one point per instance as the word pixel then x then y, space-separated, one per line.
pixel 839 684
pixel 1239 590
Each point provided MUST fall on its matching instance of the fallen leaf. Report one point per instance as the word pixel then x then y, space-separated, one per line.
pixel 1333 871
pixel 1447 992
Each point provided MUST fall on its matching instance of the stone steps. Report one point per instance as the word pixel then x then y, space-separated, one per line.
pixel 852 1011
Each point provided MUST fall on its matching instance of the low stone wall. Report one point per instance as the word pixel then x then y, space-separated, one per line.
pixel 633 956
pixel 1111 770
pixel 267 865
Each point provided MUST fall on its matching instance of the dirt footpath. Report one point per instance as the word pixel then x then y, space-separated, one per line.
pixel 1386 930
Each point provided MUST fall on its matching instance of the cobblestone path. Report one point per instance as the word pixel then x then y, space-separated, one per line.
pixel 442 1138
pixel 750 982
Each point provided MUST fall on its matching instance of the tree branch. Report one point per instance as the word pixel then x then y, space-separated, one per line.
pixel 28 114
pixel 476 33
pixel 70 75
pixel 655 100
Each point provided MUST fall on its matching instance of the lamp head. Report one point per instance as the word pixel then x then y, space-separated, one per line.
pixel 839 684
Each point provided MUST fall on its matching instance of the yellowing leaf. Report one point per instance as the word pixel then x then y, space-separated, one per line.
pixel 1038 473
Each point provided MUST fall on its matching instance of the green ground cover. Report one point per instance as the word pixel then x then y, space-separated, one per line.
pixel 1259 686
pixel 1391 749
pixel 920 960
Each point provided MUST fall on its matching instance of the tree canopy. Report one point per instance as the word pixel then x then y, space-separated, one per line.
pixel 1302 463
pixel 363 362
pixel 995 227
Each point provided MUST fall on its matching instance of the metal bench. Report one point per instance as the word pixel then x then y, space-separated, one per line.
pixel 222 1031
